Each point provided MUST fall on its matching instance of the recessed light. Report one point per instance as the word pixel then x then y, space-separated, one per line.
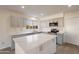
pixel 22 6
pixel 33 18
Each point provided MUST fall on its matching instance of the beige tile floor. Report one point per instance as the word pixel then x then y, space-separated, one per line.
pixel 61 49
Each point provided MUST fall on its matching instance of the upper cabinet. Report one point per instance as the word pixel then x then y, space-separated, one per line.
pixel 57 22
pixel 36 24
pixel 16 21
pixel 61 22
pixel 44 24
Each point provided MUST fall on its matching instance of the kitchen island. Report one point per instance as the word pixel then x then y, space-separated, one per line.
pixel 41 43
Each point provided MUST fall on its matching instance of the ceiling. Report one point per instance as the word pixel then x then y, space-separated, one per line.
pixel 41 10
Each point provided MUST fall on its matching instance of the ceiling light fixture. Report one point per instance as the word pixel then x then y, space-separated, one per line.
pixel 22 6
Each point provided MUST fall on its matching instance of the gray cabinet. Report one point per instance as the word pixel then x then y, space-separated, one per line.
pixel 59 39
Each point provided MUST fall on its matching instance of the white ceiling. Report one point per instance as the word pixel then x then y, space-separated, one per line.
pixel 36 10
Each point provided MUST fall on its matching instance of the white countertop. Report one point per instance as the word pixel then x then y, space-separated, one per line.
pixel 32 41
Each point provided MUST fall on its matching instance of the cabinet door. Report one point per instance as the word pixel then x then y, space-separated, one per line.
pixel 13 21
pixel 49 47
pixel 33 51
pixel 59 39
pixel 25 22
pixel 17 21
pixel 18 49
pixel 20 22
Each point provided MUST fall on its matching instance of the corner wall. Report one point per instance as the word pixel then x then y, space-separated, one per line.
pixel 71 27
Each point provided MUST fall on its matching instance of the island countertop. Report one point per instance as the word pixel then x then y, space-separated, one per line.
pixel 32 41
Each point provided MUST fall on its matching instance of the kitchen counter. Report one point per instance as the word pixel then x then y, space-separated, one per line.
pixel 28 43
pixel 61 32
pixel 25 34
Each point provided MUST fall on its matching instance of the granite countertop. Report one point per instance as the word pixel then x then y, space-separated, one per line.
pixel 32 41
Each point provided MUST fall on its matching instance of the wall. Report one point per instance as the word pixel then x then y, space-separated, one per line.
pixel 71 27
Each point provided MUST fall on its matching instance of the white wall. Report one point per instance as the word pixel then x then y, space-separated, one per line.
pixel 71 26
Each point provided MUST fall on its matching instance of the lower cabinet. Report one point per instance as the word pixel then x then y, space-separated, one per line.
pixel 18 49
pixel 59 39
pixel 48 47
pixel 33 51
